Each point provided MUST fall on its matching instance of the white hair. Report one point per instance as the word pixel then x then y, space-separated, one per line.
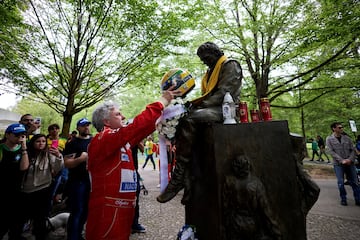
pixel 101 113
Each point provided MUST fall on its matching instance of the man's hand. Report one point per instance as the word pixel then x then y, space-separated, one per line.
pixel 346 162
pixel 33 127
pixel 22 141
pixel 170 94
pixel 54 151
pixel 70 161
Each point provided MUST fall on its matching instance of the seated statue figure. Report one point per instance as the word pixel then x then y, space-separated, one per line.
pixel 223 75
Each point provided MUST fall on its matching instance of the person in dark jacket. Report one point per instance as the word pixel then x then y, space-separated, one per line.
pixel 321 144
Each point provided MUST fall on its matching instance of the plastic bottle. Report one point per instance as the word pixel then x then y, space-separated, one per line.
pixel 228 108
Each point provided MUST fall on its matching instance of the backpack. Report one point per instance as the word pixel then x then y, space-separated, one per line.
pixel 154 148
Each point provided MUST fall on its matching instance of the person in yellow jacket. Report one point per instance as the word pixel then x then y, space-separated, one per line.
pixel 149 147
pixel 54 140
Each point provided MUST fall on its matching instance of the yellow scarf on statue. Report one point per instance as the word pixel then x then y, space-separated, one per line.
pixel 208 84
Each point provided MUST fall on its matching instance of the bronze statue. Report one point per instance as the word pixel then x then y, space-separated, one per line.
pixel 309 189
pixel 223 75
pixel 246 210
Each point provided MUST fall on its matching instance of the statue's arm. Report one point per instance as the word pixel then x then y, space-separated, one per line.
pixel 230 78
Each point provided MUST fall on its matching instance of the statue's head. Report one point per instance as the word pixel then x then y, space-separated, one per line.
pixel 209 53
pixel 241 166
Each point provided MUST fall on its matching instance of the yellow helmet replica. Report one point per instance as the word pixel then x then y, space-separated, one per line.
pixel 179 77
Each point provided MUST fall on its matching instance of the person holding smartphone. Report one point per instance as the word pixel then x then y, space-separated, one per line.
pixel 54 141
pixel 44 164
pixel 30 124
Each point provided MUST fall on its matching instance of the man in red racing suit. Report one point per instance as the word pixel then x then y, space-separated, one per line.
pixel 110 164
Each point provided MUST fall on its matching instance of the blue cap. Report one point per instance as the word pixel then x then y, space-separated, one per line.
pixel 83 122
pixel 16 128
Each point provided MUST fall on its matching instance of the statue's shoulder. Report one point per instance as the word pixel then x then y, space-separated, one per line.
pixel 231 63
pixel 231 60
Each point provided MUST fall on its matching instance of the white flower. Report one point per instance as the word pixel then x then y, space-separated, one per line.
pixel 170 119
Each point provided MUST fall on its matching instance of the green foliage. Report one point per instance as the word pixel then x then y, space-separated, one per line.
pixel 338 107
pixel 80 50
pixel 302 54
pixel 9 12
pixel 11 28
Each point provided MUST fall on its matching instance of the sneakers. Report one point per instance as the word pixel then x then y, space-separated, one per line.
pixel 343 202
pixel 138 229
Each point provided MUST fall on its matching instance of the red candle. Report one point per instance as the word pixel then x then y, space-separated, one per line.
pixel 243 112
pixel 265 109
pixel 254 113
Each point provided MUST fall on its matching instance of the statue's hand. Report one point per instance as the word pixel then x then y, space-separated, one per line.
pixel 188 105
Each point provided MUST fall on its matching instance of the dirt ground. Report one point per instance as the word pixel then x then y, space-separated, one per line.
pixel 319 170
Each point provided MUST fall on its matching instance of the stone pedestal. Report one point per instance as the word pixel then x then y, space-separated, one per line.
pixel 269 148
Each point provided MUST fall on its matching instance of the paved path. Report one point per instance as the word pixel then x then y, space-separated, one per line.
pixel 327 220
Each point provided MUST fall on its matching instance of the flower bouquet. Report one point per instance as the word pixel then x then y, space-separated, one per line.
pixel 167 123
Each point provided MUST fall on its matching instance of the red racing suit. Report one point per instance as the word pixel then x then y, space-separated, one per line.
pixel 113 177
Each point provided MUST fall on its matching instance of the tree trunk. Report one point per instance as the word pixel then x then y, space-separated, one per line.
pixel 68 115
pixel 66 125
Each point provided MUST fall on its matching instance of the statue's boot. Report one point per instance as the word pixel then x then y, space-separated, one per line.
pixel 180 177
pixel 176 182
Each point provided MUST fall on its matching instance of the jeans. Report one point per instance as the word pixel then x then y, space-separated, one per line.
pixel 137 209
pixel 350 172
pixel 60 180
pixel 150 156
pixel 315 152
pixel 79 192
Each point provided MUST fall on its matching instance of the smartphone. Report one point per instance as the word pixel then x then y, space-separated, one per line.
pixel 55 143
pixel 37 121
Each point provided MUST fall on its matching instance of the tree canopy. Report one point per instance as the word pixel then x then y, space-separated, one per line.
pixel 295 52
pixel 74 52
pixel 281 42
